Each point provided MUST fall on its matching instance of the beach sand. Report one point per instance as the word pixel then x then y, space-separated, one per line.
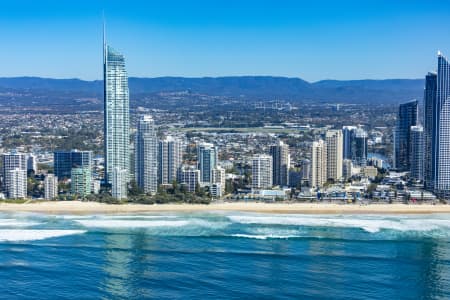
pixel 77 207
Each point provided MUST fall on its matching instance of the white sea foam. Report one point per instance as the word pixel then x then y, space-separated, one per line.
pixel 18 235
pixel 16 223
pixel 263 237
pixel 369 224
pixel 100 223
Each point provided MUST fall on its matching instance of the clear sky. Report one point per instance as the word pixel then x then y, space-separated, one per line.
pixel 312 39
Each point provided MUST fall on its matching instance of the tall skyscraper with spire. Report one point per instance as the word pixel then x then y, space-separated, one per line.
pixel 441 130
pixel 116 114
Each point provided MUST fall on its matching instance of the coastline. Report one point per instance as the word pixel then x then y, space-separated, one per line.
pixel 78 207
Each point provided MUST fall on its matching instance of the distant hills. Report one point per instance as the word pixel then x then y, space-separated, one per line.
pixel 246 87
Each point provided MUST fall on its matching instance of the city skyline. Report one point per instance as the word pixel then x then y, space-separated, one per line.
pixel 176 39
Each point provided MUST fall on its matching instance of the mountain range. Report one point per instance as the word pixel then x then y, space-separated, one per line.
pixel 246 87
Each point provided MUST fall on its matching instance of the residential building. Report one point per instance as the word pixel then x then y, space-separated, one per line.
pixel 16 183
pixel 116 114
pixel 262 171
pixel 207 155
pixel 281 163
pixel 146 147
pixel 318 164
pixel 189 176
pixel 50 187
pixel 119 186
pixel 417 148
pixel 14 171
pixel 64 161
pixel 407 117
pixel 80 182
pixel 170 158
pixel 429 130
pixel 334 144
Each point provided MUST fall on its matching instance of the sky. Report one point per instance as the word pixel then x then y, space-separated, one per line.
pixel 313 40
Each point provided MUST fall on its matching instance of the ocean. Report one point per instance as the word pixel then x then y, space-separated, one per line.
pixel 224 255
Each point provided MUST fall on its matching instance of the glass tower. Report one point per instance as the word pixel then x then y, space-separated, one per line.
pixel 429 129
pixel 116 115
pixel 407 117
pixel 441 130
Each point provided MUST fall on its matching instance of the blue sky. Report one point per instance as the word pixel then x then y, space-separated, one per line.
pixel 313 40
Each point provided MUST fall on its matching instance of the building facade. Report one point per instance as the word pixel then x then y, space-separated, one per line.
pixel 116 113
pixel 50 187
pixel 417 148
pixel 189 176
pixel 146 148
pixel 262 171
pixel 281 163
pixel 80 182
pixel 14 169
pixel 170 158
pixel 207 155
pixel 64 161
pixel 318 164
pixel 334 144
pixel 407 117
pixel 119 186
pixel 429 129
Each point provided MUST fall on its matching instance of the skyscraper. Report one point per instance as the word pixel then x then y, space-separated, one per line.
pixel 146 147
pixel 334 154
pixel 359 148
pixel 64 161
pixel 281 163
pixel 417 153
pixel 407 117
pixel 441 130
pixel 80 181
pixel 14 174
pixel 318 164
pixel 429 129
pixel 50 187
pixel 207 161
pixel 262 171
pixel 119 183
pixel 170 157
pixel 347 137
pixel 116 115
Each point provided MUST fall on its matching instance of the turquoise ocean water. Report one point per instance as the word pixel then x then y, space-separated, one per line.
pixel 222 255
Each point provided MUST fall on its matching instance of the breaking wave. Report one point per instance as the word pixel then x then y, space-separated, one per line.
pixel 18 235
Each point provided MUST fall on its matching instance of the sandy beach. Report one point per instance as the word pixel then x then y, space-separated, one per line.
pixel 77 207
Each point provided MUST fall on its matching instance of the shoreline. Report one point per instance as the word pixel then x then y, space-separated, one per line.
pixel 78 207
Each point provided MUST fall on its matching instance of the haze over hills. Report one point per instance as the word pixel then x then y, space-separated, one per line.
pixel 246 87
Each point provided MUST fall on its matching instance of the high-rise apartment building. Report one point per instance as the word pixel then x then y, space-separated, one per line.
pixel 281 163
pixel 262 171
pixel 146 147
pixel 64 161
pixel 189 176
pixel 359 148
pixel 407 117
pixel 116 113
pixel 218 180
pixel 441 131
pixel 429 130
pixel 80 182
pixel 416 155
pixel 347 139
pixel 334 146
pixel 318 164
pixel 14 171
pixel 207 160
pixel 170 158
pixel 16 183
pixel 119 183
pixel 50 187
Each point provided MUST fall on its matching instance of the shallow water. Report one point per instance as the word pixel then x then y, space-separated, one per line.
pixel 225 255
